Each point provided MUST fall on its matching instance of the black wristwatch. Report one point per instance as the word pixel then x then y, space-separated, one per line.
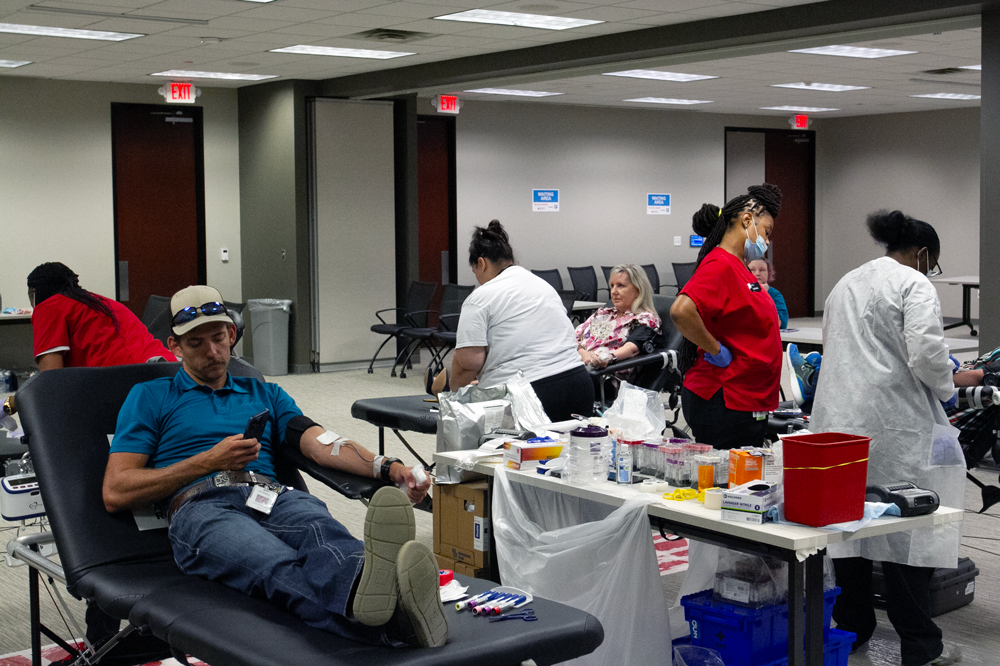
pixel 386 464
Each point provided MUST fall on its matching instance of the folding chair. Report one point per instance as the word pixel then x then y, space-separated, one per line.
pixel 552 277
pixel 653 275
pixel 412 315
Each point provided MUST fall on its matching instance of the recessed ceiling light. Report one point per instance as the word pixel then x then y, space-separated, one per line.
pixel 852 52
pixel 799 109
pixel 824 87
pixel 520 20
pixel 305 49
pixel 14 63
pixel 229 76
pixel 259 0
pixel 666 100
pixel 517 93
pixel 660 76
pixel 948 96
pixel 46 31
pixel 977 68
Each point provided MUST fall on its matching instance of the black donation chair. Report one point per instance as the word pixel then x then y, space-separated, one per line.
pixel 448 313
pixel 67 415
pixel 683 273
pixel 552 277
pixel 653 275
pixel 413 314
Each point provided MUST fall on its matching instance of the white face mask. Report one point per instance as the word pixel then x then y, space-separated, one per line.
pixel 930 272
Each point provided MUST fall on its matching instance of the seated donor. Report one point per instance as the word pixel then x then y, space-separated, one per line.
pixel 763 270
pixel 73 327
pixel 629 327
pixel 179 442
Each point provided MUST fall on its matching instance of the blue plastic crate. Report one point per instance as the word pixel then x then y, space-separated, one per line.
pixel 836 649
pixel 743 636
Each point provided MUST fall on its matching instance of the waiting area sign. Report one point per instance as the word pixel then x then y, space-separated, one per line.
pixel 657 204
pixel 545 201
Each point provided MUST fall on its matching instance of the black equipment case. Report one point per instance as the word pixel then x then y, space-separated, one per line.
pixel 950 588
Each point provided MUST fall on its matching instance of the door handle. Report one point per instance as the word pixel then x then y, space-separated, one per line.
pixel 123 281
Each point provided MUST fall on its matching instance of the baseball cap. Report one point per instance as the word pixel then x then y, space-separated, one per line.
pixel 193 299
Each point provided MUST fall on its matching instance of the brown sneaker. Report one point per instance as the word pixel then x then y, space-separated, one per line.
pixel 388 525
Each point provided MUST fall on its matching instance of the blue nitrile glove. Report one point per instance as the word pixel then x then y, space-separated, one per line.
pixel 951 402
pixel 722 359
pixel 955 362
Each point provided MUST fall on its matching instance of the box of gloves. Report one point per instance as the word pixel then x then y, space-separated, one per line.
pixel 750 502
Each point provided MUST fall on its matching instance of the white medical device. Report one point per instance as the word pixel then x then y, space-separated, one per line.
pixel 20 497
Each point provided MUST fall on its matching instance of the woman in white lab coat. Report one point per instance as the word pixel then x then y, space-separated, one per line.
pixel 885 375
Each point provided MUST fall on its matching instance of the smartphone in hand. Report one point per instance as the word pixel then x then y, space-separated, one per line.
pixel 256 424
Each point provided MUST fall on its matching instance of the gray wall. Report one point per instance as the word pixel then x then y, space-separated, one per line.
pixel 925 164
pixel 56 184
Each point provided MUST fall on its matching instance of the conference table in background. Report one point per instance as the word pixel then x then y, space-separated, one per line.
pixel 814 337
pixel 692 520
pixel 968 283
pixel 587 305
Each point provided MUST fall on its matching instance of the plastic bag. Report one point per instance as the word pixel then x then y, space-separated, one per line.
pixel 692 655
pixel 589 556
pixel 750 580
pixel 264 304
pixel 637 412
pixel 462 420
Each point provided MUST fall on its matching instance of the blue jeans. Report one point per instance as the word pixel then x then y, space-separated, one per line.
pixel 298 557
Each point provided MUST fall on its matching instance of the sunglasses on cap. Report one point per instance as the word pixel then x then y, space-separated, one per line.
pixel 192 313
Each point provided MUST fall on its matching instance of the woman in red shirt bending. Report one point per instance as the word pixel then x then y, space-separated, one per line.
pixel 731 355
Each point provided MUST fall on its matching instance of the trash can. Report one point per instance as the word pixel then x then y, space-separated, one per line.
pixel 269 329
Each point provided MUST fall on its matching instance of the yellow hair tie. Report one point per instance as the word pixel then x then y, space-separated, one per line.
pixel 720 212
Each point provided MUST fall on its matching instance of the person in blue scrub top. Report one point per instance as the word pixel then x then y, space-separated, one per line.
pixel 763 270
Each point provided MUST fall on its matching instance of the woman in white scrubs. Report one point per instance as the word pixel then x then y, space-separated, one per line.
pixel 885 375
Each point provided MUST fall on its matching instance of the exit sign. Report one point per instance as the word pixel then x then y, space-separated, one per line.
pixel 177 92
pixel 448 104
pixel 801 122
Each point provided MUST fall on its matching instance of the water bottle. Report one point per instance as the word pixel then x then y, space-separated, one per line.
pixel 624 460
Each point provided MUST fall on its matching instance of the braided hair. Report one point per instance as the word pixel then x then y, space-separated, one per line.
pixel 713 222
pixel 53 278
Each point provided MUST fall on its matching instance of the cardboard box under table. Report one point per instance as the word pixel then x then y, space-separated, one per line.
pixel 462 524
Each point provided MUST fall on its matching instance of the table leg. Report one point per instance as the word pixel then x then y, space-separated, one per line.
pixel 814 609
pixel 796 646
pixel 381 441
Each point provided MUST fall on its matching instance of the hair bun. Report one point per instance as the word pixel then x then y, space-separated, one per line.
pixel 494 227
pixel 888 228
pixel 705 219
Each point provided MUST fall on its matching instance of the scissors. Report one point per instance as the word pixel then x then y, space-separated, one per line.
pixel 526 615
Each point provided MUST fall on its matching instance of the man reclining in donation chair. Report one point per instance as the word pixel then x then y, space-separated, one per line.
pixel 177 444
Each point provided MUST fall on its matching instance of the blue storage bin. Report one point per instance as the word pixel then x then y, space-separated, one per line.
pixel 836 649
pixel 744 636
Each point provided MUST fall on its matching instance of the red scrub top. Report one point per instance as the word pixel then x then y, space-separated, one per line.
pixel 88 339
pixel 741 316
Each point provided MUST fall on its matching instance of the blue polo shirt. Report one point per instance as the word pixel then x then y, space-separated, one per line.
pixel 173 419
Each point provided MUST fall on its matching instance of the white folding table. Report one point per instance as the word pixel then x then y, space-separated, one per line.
pixel 814 336
pixel 968 282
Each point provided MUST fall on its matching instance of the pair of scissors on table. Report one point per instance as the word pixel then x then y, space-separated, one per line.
pixel 526 615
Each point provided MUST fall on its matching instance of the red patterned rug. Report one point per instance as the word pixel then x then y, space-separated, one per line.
pixel 52 653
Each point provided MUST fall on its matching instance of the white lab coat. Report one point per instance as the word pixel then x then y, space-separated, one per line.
pixel 885 372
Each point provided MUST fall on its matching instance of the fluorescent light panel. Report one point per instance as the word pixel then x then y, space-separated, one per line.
pixel 660 76
pixel 822 87
pixel 667 100
pixel 229 76
pixel 46 31
pixel 852 51
pixel 517 93
pixel 797 109
pixel 14 63
pixel 977 68
pixel 948 96
pixel 305 49
pixel 520 20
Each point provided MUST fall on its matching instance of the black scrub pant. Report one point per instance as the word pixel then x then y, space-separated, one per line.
pixel 566 393
pixel 713 423
pixel 908 597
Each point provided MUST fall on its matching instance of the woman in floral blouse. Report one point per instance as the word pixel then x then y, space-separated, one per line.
pixel 629 327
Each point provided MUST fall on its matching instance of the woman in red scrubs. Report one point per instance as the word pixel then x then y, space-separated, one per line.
pixel 731 355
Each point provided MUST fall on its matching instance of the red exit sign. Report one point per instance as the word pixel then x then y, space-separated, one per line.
pixel 179 93
pixel 448 104
pixel 801 122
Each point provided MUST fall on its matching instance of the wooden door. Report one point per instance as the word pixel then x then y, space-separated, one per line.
pixel 159 197
pixel 436 196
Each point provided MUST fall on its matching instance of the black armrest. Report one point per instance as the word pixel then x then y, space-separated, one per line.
pixel 351 486
pixel 378 313
pixel 443 323
pixel 413 323
pixel 978 397
pixel 665 359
